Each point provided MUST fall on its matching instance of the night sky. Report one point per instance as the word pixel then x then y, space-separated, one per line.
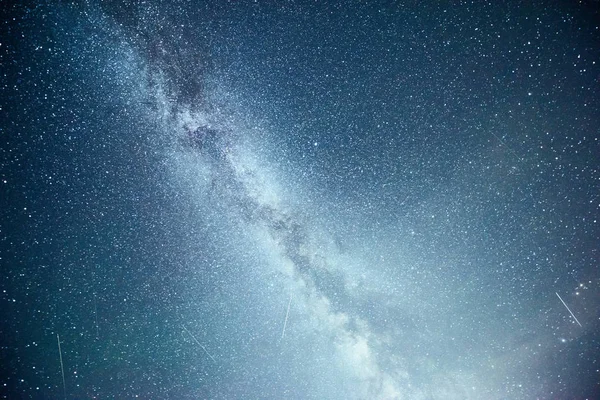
pixel 300 200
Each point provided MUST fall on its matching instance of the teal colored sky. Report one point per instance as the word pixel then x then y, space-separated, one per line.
pixel 299 200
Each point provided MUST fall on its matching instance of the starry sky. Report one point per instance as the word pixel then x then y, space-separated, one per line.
pixel 300 200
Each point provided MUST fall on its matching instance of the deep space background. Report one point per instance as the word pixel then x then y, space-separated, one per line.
pixel 300 200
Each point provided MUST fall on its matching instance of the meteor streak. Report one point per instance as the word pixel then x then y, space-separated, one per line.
pixel 568 309
pixel 286 318
pixel 199 344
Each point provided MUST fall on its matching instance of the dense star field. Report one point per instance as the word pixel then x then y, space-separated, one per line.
pixel 300 200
